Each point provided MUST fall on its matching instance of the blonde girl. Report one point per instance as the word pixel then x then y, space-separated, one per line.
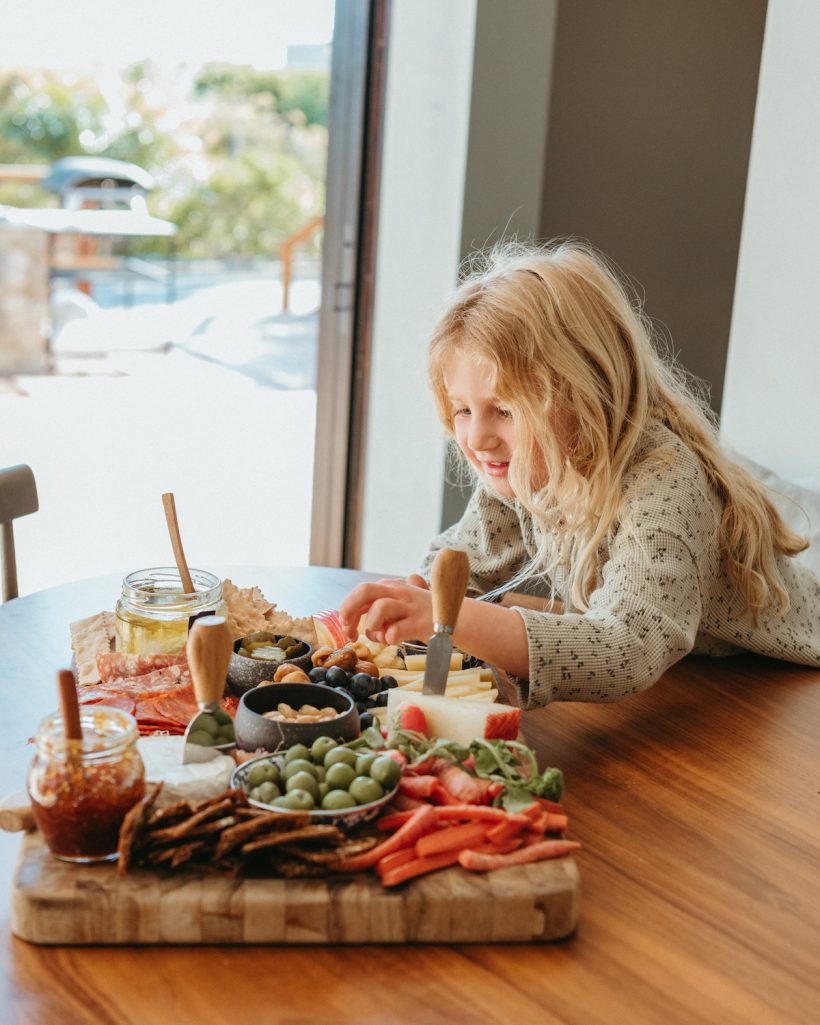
pixel 599 480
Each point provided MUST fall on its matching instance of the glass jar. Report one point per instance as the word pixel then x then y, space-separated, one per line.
pixel 153 613
pixel 81 790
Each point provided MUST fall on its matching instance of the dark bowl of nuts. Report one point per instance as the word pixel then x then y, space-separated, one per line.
pixel 278 715
pixel 258 657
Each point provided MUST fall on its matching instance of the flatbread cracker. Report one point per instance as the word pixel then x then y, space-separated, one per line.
pixel 91 637
pixel 249 611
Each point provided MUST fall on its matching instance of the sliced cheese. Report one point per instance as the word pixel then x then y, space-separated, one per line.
pixel 418 662
pixel 196 781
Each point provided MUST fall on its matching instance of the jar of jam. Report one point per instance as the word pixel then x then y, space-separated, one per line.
pixel 153 613
pixel 81 790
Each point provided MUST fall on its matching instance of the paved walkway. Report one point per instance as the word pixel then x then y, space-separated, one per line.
pixel 212 398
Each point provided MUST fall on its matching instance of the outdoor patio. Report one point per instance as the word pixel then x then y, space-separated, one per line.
pixel 211 397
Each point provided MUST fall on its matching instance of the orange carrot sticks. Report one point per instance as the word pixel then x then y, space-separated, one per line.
pixel 475 861
pixel 451 838
pixel 423 820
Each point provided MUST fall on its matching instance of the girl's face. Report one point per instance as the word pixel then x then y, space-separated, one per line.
pixel 483 425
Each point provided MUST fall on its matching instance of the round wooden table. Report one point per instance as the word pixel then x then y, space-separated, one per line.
pixel 697 805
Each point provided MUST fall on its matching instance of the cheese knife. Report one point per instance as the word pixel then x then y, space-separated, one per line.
pixel 209 653
pixel 448 583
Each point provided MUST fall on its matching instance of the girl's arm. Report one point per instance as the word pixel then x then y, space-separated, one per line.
pixel 401 610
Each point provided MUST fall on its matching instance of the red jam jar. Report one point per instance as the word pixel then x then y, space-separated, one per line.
pixel 81 790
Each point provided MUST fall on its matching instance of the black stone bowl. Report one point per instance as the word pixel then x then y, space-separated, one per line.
pixel 245 673
pixel 254 732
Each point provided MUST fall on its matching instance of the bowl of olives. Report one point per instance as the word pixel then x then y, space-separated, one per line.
pixel 336 783
pixel 256 728
pixel 257 657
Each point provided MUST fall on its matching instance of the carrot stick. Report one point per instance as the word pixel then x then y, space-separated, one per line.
pixel 391 861
pixel 550 806
pixel 451 838
pixel 475 861
pixel 478 813
pixel 390 823
pixel 556 823
pixel 503 832
pixel 420 866
pixel 423 820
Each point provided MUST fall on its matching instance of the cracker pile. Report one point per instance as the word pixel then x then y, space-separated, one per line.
pixel 225 834
pixel 89 638
pixel 249 611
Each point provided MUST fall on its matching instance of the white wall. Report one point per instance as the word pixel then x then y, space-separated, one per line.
pixel 419 238
pixel 771 404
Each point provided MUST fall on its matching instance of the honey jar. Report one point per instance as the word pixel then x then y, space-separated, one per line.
pixel 154 612
pixel 81 790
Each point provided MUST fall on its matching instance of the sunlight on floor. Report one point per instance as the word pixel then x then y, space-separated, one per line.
pixel 212 398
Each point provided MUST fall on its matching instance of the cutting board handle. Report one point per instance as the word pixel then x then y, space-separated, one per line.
pixel 448 583
pixel 209 653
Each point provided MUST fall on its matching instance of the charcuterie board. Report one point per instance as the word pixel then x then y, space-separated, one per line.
pixel 53 902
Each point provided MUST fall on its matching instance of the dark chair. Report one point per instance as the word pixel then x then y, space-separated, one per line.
pixel 18 497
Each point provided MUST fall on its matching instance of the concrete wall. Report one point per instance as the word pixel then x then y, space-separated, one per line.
pixel 647 153
pixel 771 410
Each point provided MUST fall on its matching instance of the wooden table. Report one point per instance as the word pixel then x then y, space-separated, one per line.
pixel 697 804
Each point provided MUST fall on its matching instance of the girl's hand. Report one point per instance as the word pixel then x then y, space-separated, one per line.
pixel 395 610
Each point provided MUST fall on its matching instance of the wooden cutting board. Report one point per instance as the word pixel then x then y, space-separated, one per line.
pixel 57 903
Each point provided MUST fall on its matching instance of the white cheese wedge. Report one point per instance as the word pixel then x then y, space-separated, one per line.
pixel 458 719
pixel 191 782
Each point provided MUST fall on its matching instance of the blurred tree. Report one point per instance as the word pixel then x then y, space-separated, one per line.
pixel 239 164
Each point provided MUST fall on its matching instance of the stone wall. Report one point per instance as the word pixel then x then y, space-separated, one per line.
pixel 24 300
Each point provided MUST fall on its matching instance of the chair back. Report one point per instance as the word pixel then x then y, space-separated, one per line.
pixel 18 497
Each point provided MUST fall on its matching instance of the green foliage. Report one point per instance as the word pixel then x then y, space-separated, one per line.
pixel 239 164
pixel 302 94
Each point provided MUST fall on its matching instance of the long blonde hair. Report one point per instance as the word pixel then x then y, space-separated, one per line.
pixel 559 333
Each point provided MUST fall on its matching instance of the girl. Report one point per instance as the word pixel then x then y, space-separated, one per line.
pixel 598 475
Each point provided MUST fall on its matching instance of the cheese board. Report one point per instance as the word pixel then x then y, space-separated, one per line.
pixel 56 903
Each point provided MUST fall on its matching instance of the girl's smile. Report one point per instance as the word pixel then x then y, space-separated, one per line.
pixel 483 425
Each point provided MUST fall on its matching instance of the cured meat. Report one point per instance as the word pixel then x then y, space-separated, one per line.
pixel 117 665
pixel 157 682
pixel 111 700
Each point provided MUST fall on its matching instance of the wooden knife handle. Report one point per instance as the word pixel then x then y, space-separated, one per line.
pixel 209 653
pixel 448 583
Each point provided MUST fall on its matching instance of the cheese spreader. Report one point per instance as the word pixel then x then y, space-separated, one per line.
pixel 209 653
pixel 448 583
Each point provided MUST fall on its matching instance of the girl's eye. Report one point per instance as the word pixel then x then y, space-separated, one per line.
pixel 505 414
pixel 461 411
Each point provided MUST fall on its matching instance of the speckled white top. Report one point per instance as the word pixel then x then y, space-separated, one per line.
pixel 663 591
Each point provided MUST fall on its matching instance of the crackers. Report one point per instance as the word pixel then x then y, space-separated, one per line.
pixel 249 611
pixel 91 637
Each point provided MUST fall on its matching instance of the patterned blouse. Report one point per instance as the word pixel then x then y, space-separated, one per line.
pixel 663 590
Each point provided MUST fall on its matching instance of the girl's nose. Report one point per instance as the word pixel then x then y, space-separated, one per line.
pixel 482 437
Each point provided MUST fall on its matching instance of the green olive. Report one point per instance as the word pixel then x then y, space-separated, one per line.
pixel 226 734
pixel 340 754
pixel 385 770
pixel 363 763
pixel 320 747
pixel 265 793
pixel 296 751
pixel 296 800
pixel 340 776
pixel 323 790
pixel 262 772
pixel 337 800
pixel 303 781
pixel 364 790
pixel 201 738
pixel 222 717
pixel 299 765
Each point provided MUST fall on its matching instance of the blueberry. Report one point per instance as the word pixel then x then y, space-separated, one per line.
pixel 381 700
pixel 361 686
pixel 365 720
pixel 318 674
pixel 388 682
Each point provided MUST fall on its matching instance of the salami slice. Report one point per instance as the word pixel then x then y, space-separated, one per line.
pixel 97 697
pixel 116 665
